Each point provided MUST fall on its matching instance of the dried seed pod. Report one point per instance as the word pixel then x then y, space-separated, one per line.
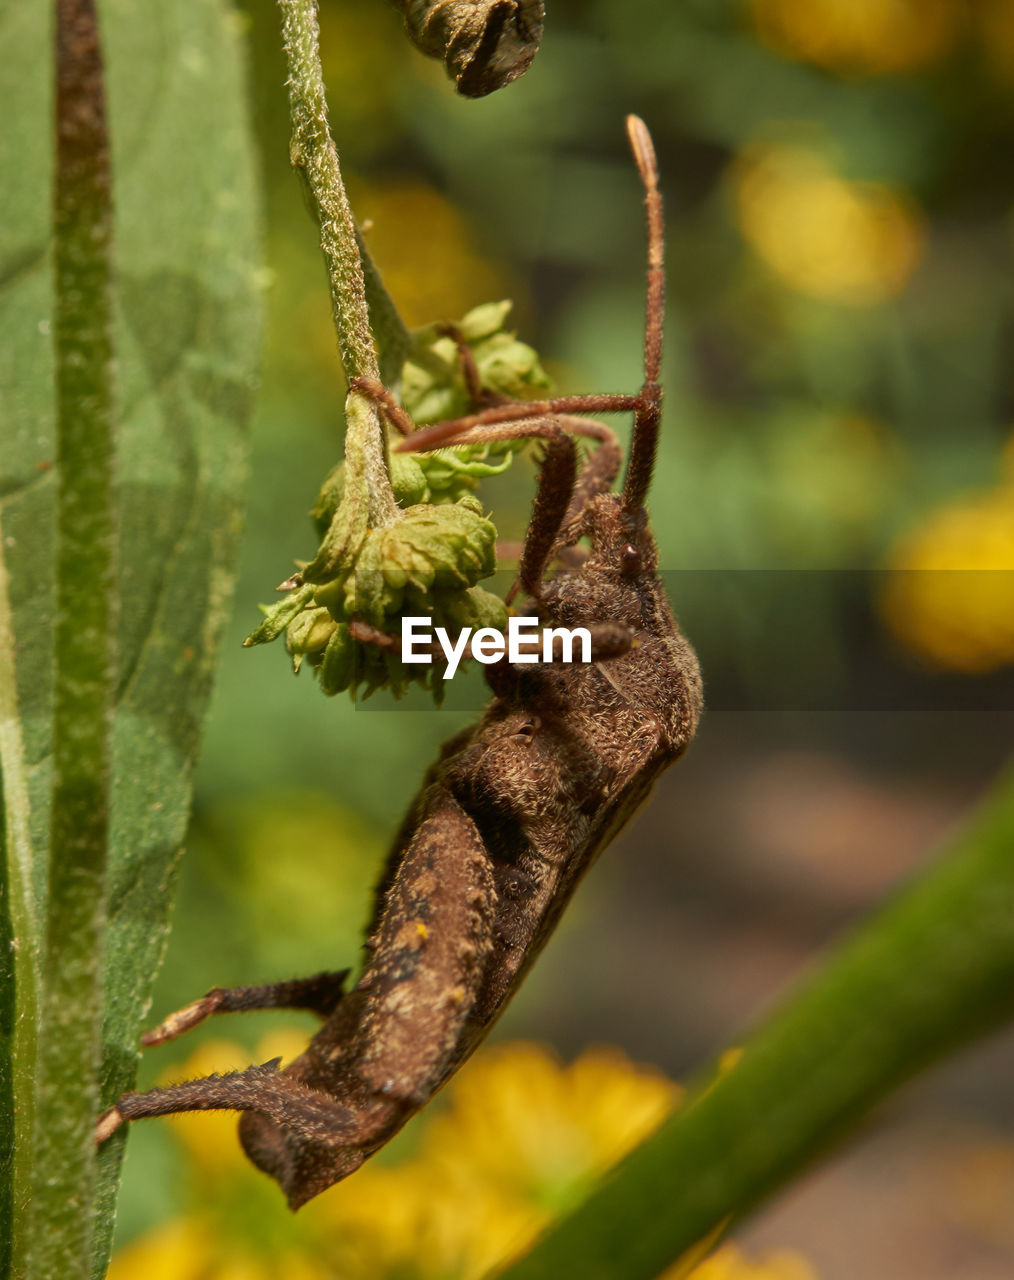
pixel 484 44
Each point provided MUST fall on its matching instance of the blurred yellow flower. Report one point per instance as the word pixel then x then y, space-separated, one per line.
pixel 164 1254
pixel 864 37
pixel 729 1264
pixel 192 1248
pixel 950 594
pixel 432 264
pixel 520 1138
pixel 419 1222
pixel 854 243
pixel 521 1119
pixel 996 30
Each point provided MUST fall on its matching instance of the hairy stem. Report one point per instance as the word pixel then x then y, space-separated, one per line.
pixel 313 152
pixel 19 966
pixel 71 995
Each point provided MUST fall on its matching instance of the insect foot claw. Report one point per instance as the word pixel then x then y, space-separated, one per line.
pixel 107 1124
pixel 182 1020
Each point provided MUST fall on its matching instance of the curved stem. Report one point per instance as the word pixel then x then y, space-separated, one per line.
pixel 312 150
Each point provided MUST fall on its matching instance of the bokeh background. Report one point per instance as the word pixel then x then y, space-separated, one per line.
pixel 834 505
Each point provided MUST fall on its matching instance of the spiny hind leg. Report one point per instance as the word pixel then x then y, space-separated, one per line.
pixel 299 1136
pixel 319 994
pixel 264 1089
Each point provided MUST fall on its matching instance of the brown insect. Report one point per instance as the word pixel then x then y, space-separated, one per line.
pixel 508 819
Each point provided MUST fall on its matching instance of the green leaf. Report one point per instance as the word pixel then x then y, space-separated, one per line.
pixel 932 971
pixel 185 335
pixel 26 494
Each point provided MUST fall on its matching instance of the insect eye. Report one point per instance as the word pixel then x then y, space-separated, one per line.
pixel 630 559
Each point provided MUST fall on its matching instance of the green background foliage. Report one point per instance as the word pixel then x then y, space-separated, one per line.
pixel 805 434
pixel 801 433
pixel 531 194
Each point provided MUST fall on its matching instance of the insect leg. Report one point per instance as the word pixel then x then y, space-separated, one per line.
pixel 648 414
pixel 469 369
pixel 430 947
pixel 516 684
pixel 319 994
pixel 600 469
pixel 447 432
pixel 562 495
pixel 264 1089
pixel 366 633
pixel 392 410
pixel 400 1032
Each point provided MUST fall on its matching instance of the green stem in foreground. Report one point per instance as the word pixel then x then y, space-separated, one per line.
pixel 314 153
pixel 931 972
pixel 19 965
pixel 71 998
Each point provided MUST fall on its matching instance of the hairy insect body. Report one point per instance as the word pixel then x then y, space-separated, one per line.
pixel 509 818
pixel 507 823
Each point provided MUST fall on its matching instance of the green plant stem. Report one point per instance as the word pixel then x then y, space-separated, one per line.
pixel 71 998
pixel 931 972
pixel 313 152
pixel 20 965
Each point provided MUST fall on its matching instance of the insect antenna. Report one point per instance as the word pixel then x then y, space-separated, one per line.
pixel 646 405
pixel 647 415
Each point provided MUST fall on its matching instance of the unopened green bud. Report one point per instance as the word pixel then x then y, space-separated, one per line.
pixel 508 367
pixel 310 632
pixel 484 320
pixel 473 608
pixel 408 479
pixel 339 662
pixel 453 473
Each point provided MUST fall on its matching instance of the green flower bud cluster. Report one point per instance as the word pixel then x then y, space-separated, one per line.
pixel 432 383
pixel 441 476
pixel 430 560
pixel 432 390
pixel 345 663
pixel 431 549
pixel 426 564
